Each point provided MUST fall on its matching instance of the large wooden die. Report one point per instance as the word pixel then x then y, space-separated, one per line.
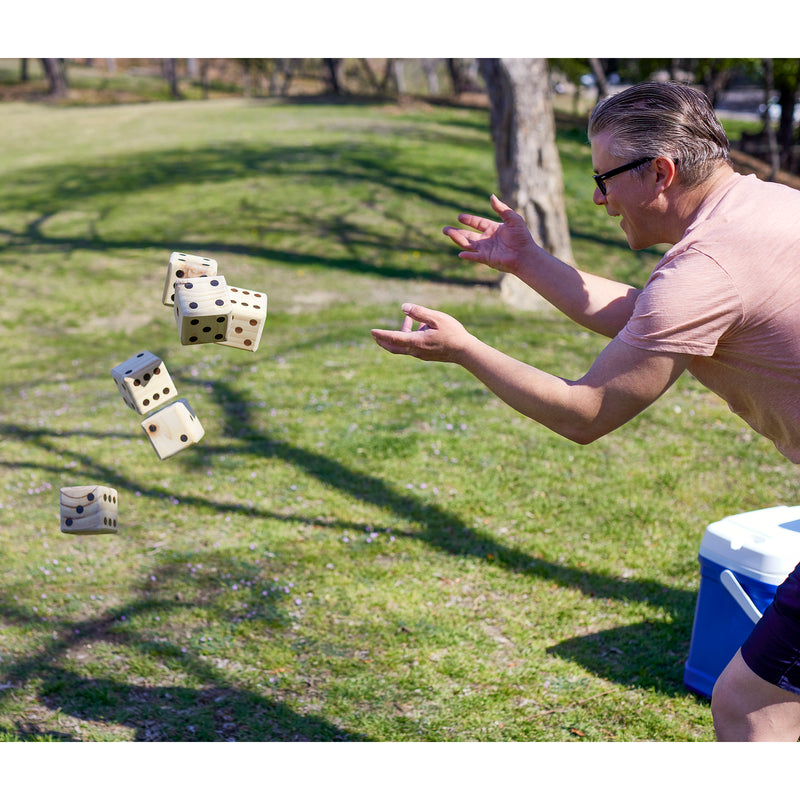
pixel 202 309
pixel 172 429
pixel 88 509
pixel 182 266
pixel 248 315
pixel 144 382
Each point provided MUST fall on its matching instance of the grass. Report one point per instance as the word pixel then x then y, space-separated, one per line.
pixel 362 547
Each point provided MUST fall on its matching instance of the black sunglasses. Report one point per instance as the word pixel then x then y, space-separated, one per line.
pixel 601 179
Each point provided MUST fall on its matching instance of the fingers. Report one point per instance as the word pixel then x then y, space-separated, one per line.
pixel 404 341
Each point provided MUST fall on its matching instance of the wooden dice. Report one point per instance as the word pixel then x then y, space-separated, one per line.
pixel 172 429
pixel 88 509
pixel 182 266
pixel 202 309
pixel 248 315
pixel 143 382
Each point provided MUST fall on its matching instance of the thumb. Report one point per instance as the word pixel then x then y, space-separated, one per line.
pixel 419 313
pixel 505 212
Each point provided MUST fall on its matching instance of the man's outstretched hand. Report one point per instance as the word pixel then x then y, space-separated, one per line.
pixel 500 245
pixel 439 336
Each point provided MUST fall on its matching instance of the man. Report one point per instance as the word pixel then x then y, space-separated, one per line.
pixel 723 303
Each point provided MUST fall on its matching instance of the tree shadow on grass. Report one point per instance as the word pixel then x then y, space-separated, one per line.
pixel 654 644
pixel 218 710
pixel 370 168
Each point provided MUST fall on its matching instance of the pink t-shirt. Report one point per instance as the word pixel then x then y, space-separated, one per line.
pixel 729 294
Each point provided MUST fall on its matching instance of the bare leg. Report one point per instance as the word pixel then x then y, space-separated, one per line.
pixel 747 708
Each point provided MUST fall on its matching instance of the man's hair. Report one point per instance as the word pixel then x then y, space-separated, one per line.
pixel 663 119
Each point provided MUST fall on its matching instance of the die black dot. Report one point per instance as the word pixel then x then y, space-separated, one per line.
pixel 219 302
pixel 79 509
pixel 184 437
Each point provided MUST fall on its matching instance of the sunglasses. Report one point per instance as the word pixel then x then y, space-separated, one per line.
pixel 600 180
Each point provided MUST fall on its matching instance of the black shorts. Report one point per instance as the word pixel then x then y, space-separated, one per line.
pixel 772 650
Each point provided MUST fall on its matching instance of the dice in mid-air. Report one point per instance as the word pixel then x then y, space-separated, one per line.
pixel 89 509
pixel 182 266
pixel 173 428
pixel 202 309
pixel 143 382
pixel 248 314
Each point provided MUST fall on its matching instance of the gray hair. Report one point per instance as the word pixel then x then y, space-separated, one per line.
pixel 663 119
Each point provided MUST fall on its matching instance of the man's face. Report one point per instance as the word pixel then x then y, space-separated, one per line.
pixel 631 195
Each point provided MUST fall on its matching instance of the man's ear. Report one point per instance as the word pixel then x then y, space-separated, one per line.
pixel 665 172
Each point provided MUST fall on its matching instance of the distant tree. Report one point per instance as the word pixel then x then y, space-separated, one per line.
pixel 462 75
pixel 786 73
pixel 56 71
pixel 334 67
pixel 599 72
pixel 527 160
pixel 769 130
pixel 169 68
pixel 378 83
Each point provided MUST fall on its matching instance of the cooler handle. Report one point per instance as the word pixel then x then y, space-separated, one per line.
pixel 728 580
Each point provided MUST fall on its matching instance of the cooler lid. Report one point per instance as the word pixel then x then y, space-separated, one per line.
pixel 763 544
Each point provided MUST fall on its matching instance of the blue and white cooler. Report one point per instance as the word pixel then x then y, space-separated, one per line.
pixel 743 559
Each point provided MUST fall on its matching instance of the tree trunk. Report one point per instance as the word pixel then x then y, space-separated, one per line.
pixel 772 142
pixel 56 73
pixel 334 67
pixel 528 165
pixel 169 68
pixel 429 67
pixel 600 77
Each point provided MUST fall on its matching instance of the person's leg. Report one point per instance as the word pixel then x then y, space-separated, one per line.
pixel 747 708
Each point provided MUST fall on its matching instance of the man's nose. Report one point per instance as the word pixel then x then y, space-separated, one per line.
pixel 598 197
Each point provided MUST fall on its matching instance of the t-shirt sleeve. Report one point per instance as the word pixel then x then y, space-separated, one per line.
pixel 687 306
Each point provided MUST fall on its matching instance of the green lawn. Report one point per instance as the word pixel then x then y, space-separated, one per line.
pixel 362 547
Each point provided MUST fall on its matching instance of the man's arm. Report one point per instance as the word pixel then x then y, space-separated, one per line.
pixel 596 303
pixel 621 383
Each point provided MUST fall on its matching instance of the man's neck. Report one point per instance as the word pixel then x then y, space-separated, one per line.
pixel 688 202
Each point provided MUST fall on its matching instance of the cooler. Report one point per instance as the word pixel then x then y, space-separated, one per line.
pixel 743 560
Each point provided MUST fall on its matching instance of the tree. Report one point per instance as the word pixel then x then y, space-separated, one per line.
pixel 169 68
pixel 786 74
pixel 334 66
pixel 528 165
pixel 56 72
